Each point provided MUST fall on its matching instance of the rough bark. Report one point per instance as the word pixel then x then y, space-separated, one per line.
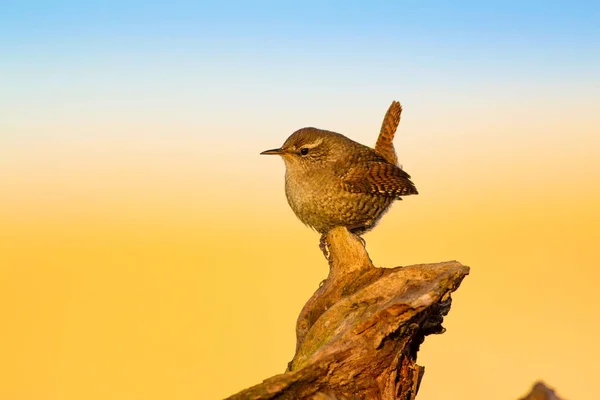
pixel 358 335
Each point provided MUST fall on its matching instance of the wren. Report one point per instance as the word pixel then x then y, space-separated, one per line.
pixel 331 180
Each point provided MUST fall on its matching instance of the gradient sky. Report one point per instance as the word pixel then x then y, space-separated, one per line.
pixel 148 252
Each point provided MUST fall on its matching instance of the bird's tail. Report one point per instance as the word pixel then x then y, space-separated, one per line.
pixel 384 145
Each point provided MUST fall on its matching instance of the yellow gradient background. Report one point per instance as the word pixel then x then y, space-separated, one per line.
pixel 147 251
pixel 171 267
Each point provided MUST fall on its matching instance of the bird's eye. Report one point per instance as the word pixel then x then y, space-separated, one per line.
pixel 304 151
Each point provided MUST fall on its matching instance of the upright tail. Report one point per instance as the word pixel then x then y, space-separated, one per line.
pixel 385 145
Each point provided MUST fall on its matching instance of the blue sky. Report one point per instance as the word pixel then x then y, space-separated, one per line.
pixel 66 58
pixel 227 28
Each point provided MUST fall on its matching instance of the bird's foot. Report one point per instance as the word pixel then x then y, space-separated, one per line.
pixel 364 243
pixel 324 247
pixel 358 229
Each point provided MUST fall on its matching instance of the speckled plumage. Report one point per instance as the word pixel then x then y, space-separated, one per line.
pixel 333 181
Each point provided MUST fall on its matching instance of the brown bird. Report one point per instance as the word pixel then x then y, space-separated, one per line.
pixel 331 180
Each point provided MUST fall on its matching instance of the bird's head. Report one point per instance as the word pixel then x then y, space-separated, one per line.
pixel 309 148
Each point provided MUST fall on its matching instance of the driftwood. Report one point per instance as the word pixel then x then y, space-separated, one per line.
pixel 358 335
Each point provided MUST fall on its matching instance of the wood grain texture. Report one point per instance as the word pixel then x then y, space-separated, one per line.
pixel 358 335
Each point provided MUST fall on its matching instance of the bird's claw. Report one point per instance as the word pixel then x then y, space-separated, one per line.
pixel 324 247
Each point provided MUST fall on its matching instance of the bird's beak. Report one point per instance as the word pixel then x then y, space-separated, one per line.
pixel 279 151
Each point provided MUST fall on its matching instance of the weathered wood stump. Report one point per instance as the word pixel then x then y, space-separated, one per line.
pixel 358 335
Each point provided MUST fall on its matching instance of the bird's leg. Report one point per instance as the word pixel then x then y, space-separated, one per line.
pixel 325 249
pixel 364 243
pixel 357 229
pixel 323 246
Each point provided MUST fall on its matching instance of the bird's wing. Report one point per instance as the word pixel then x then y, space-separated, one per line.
pixel 378 177
pixel 384 145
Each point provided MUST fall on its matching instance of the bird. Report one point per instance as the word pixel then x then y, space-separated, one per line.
pixel 331 180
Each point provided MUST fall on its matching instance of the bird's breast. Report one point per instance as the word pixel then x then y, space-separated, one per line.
pixel 308 193
pixel 320 201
